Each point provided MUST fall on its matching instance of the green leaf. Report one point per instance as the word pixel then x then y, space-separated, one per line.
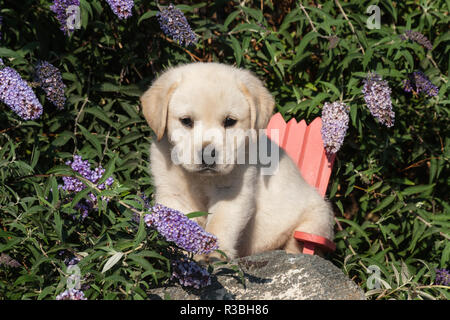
pixel 332 87
pixel 58 224
pixel 367 57
pixel 81 194
pixel 445 256
pixel 63 138
pixel 149 14
pixel 25 279
pixel 196 214
pixel 417 189
pixel 291 17
pixel 128 139
pixel 5 53
pixel 254 13
pixel 231 17
pixel 374 186
pixel 110 167
pixel 271 51
pixel 92 139
pixel 356 227
pixel 141 233
pixel 306 40
pixel 142 262
pixel 46 292
pixel 340 206
pixel 249 27
pixel 353 113
pixel 99 113
pixel 237 51
pixel 383 204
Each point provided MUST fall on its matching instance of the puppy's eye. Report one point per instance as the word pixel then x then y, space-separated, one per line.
pixel 229 122
pixel 187 122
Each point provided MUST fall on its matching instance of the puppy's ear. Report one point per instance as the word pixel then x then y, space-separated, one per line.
pixel 259 98
pixel 155 102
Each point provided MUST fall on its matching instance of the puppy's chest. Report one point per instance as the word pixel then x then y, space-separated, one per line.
pixel 216 190
pixel 209 193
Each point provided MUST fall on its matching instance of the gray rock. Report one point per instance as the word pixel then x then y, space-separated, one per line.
pixel 273 275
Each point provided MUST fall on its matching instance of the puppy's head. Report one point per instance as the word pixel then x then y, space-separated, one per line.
pixel 207 111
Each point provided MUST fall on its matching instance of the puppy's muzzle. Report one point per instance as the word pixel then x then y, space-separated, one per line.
pixel 208 156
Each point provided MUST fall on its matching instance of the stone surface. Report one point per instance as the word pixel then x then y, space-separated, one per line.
pixel 273 275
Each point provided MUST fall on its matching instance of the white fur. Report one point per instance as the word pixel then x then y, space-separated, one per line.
pixel 249 212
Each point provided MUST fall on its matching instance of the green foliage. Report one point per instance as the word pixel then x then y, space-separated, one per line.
pixel 389 186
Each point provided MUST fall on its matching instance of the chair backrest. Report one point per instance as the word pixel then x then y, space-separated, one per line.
pixel 304 145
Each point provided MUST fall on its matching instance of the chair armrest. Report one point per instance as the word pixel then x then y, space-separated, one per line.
pixel 312 241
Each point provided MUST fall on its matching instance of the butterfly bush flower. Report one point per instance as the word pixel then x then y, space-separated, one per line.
pixel 74 185
pixel 423 84
pixel 84 206
pixel 71 262
pixel 50 79
pixel 417 37
pixel 442 277
pixel 175 25
pixel 407 85
pixel 419 82
pixel 18 95
pixel 334 125
pixel 377 95
pixel 190 274
pixel 71 294
pixel 178 228
pixel 60 8
pixel 121 8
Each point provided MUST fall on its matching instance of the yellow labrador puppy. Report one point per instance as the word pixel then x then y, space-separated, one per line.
pixel 209 156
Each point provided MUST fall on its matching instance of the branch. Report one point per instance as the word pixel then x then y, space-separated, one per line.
pixel 351 25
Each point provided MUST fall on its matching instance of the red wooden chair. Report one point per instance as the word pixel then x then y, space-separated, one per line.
pixel 305 147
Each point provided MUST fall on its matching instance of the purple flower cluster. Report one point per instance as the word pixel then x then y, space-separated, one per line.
pixel 84 168
pixel 377 95
pixel 442 277
pixel 121 8
pixel 50 79
pixel 175 25
pixel 334 125
pixel 60 7
pixel 84 206
pixel 407 85
pixel 71 294
pixel 72 184
pixel 417 37
pixel 69 258
pixel 190 274
pixel 419 82
pixel 178 228
pixel 18 95
pixel 8 261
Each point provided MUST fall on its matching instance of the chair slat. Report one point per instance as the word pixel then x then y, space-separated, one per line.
pixel 312 151
pixel 293 139
pixel 277 123
pixel 305 147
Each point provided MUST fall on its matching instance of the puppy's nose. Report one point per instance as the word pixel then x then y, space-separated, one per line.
pixel 208 157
